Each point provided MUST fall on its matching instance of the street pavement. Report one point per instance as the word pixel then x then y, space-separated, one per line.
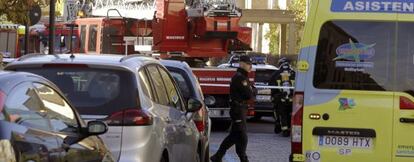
pixel 263 146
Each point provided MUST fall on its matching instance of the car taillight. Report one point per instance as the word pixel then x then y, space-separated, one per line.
pixel 406 103
pixel 198 120
pixel 2 100
pixel 297 122
pixel 130 117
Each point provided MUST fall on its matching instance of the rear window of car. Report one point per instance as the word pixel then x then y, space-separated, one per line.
pixel 93 91
pixel 355 55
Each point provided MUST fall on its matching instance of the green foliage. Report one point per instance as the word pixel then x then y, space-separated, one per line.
pixel 273 37
pixel 298 7
pixel 17 11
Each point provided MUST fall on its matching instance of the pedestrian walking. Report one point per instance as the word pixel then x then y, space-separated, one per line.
pixel 241 91
pixel 282 98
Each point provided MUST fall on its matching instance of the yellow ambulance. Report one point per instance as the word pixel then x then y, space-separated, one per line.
pixel 354 97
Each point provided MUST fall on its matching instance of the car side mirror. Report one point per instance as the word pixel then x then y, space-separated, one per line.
pixel 93 128
pixel 193 105
pixel 97 128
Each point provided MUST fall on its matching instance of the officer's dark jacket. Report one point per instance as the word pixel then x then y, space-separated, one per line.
pixel 240 87
pixel 240 92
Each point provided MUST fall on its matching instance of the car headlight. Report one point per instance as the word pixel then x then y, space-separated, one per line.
pixel 6 151
pixel 210 100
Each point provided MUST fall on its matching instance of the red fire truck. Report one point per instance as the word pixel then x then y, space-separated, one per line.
pixel 191 31
pixel 114 35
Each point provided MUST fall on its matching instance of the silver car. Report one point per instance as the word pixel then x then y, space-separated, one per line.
pixel 135 95
pixel 190 88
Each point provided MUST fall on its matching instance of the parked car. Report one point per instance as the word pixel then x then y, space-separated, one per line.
pixel 135 95
pixel 190 88
pixel 37 123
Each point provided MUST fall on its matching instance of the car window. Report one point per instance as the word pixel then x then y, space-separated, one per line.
pixel 93 91
pixel 83 38
pixel 58 111
pixel 262 76
pixel 355 55
pixel 145 84
pixel 172 91
pixel 23 106
pixel 158 85
pixel 405 58
pixel 93 34
pixel 184 83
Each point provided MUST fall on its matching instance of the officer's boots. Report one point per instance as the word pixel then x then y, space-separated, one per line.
pixel 217 157
pixel 277 129
pixel 244 159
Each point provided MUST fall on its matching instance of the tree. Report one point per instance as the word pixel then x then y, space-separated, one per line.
pixel 273 36
pixel 17 11
pixel 298 7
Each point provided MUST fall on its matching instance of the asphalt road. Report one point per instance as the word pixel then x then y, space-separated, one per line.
pixel 263 146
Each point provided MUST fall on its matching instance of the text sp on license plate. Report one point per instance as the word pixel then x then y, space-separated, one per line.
pixel 344 141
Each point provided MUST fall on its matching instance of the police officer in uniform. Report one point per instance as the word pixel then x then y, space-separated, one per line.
pixel 282 98
pixel 241 91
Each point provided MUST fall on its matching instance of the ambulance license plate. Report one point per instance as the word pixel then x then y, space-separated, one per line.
pixel 344 141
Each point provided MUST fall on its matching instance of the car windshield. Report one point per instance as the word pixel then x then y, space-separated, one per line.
pixel 93 91
pixel 262 76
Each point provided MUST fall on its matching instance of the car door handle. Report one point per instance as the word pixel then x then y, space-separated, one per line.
pixel 407 120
